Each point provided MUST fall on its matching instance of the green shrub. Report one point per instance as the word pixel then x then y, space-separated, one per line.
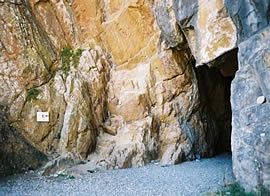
pixel 70 57
pixel 76 56
pixel 32 93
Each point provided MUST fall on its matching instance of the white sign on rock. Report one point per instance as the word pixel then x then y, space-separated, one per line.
pixel 42 116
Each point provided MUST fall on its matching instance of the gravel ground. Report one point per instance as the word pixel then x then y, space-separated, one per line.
pixel 189 178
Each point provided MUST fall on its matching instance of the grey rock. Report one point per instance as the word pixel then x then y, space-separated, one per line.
pixel 251 122
pixel 165 16
pixel 249 16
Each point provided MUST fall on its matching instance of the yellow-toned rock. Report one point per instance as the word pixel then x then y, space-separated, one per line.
pixel 119 86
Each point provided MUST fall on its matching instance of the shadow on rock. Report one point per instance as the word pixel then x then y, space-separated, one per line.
pixel 16 154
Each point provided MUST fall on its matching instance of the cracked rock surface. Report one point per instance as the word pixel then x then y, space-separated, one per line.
pixel 124 101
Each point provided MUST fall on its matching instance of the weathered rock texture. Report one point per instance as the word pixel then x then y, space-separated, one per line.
pixel 251 129
pixel 249 16
pixel 250 120
pixel 17 155
pixel 118 79
pixel 208 28
pixel 114 91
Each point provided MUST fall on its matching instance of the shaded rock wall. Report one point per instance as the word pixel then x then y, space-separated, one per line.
pixel 17 155
pixel 215 102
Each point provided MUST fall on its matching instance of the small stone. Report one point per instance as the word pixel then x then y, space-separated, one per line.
pixel 165 165
pixel 262 134
pixel 261 100
pixel 198 157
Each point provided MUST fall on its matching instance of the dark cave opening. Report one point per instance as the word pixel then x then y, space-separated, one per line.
pixel 214 83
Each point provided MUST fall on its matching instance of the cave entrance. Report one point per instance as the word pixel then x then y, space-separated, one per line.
pixel 215 92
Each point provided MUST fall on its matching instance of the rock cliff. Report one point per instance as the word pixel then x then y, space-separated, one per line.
pixel 127 82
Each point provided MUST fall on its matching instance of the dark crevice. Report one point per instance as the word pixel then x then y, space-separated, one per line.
pixel 214 85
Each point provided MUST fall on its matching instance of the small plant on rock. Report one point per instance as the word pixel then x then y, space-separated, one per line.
pixel 32 93
pixel 76 56
pixel 66 58
pixel 70 57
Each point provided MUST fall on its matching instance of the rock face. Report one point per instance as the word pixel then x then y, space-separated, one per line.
pixel 118 79
pixel 250 124
pixel 137 102
pixel 250 138
pixel 208 28
pixel 248 16
pixel 17 155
